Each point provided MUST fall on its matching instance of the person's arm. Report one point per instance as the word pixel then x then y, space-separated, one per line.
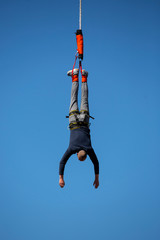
pixel 95 162
pixel 62 164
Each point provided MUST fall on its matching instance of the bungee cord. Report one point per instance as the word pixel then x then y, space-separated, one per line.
pixel 79 39
pixel 80 14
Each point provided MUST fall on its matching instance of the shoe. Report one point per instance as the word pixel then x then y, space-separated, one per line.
pixel 75 72
pixel 84 73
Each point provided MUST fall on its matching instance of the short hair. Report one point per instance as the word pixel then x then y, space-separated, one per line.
pixel 82 155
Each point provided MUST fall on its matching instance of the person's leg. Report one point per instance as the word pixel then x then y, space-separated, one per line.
pixel 73 109
pixel 74 97
pixel 84 110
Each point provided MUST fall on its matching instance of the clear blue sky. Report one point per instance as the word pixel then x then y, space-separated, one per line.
pixel 122 56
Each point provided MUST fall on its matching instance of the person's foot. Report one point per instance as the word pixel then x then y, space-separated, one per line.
pixel 75 72
pixel 84 73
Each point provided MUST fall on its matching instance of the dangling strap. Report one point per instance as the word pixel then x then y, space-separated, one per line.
pixel 80 67
pixel 84 78
pixel 74 64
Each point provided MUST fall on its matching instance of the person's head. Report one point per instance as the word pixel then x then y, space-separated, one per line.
pixel 81 155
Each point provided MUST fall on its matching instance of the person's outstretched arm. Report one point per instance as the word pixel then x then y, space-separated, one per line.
pixel 95 162
pixel 62 164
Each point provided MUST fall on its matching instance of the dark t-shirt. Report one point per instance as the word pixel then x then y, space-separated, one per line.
pixel 79 140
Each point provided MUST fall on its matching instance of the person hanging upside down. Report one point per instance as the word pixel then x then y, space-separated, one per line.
pixel 80 141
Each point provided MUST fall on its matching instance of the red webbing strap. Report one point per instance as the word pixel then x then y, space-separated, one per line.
pixel 74 64
pixel 84 78
pixel 80 66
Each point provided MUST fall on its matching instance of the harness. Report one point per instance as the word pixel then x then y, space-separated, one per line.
pixel 78 123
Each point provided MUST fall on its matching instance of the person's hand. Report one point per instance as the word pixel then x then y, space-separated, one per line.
pixel 96 181
pixel 61 182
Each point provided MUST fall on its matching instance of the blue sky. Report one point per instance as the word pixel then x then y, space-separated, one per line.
pixel 122 49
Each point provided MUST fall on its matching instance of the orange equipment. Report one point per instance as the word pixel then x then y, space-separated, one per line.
pixel 79 37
